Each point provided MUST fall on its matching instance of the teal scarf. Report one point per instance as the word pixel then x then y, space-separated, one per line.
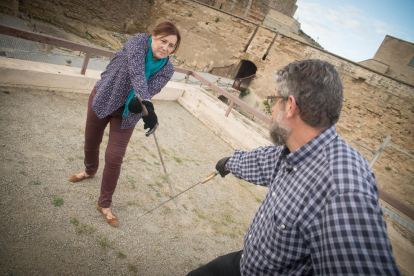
pixel 151 67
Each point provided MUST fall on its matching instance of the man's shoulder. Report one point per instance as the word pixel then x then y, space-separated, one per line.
pixel 349 169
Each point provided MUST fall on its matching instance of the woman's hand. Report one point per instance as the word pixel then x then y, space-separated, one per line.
pixel 150 120
pixel 134 105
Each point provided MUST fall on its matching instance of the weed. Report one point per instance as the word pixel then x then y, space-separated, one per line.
pixel 80 157
pixel 233 235
pixel 258 199
pixel 104 243
pixel 74 221
pixel 217 20
pixel 85 229
pixel 197 164
pixel 142 160
pixel 201 264
pixel 57 202
pixel 228 203
pixel 20 162
pixel 131 203
pixel 157 163
pixel 23 173
pixel 145 148
pixel 177 159
pixel 245 92
pixel 158 194
pixel 199 214
pixel 151 186
pixel 130 179
pixel 185 207
pixel 133 268
pixel 167 210
pixel 121 255
pixel 227 217
pixel 106 134
pixel 153 155
pixel 37 182
pixel 70 159
pixel 164 151
pixel 388 168
pixel 265 102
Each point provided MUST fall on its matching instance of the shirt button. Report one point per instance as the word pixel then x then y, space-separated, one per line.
pixel 261 216
pixel 273 194
pixel 295 169
pixel 283 226
pixel 286 172
pixel 242 255
pixel 250 236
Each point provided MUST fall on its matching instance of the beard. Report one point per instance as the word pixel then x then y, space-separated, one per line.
pixel 279 130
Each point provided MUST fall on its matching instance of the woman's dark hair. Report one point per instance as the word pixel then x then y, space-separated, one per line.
pixel 165 29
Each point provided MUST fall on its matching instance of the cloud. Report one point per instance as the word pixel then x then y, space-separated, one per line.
pixel 343 29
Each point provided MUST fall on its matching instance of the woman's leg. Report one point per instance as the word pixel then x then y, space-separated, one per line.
pixel 114 155
pixel 94 131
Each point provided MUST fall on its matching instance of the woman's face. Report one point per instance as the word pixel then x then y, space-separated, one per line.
pixel 162 46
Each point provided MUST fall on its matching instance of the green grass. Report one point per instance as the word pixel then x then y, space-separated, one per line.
pixel 199 214
pixel 70 159
pixel 145 148
pixel 85 229
pixel 57 202
pixel 153 155
pixel 258 199
pixel 167 210
pixel 131 180
pixel 151 186
pixel 233 235
pixel 157 163
pixel 388 168
pixel 133 268
pixel 121 255
pixel 177 159
pixel 201 264
pixel 217 20
pixel 36 182
pixel 74 221
pixel 158 194
pixel 131 203
pixel 80 157
pixel 104 243
pixel 23 172
pixel 143 160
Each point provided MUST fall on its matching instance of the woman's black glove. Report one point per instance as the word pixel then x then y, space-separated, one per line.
pixel 150 120
pixel 135 106
pixel 220 167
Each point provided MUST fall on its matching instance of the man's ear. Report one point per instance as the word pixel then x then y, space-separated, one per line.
pixel 291 108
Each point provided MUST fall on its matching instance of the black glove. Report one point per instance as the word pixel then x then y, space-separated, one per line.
pixel 151 120
pixel 221 166
pixel 135 106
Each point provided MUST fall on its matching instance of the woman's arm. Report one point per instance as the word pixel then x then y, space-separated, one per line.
pixel 136 50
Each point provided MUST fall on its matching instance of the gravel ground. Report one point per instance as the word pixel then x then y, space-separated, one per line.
pixel 41 145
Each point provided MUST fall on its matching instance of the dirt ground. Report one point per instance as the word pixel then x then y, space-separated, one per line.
pixel 41 145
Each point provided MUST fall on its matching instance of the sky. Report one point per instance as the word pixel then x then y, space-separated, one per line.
pixel 355 29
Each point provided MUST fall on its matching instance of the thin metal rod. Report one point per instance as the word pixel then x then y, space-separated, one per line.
pixel 401 150
pixel 165 170
pixel 363 146
pixel 211 176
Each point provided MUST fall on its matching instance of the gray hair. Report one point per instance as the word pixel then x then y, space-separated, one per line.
pixel 317 89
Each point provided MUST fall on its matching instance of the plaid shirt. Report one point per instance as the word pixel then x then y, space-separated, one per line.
pixel 125 71
pixel 321 214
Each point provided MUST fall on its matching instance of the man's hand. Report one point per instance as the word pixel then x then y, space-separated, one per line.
pixel 134 105
pixel 150 120
pixel 221 166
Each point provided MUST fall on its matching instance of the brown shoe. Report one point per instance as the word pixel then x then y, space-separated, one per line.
pixel 113 221
pixel 74 178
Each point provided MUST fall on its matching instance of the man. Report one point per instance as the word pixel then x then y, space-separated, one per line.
pixel 321 215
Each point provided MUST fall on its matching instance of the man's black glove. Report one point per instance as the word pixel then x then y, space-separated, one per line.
pixel 220 167
pixel 150 120
pixel 135 106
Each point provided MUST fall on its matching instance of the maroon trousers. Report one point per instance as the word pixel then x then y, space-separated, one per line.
pixel 115 151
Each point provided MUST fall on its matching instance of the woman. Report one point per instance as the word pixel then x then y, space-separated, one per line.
pixel 138 71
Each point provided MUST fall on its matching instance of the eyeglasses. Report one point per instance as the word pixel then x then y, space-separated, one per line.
pixel 279 97
pixel 275 97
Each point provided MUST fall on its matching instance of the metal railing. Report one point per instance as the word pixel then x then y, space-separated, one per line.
pixel 221 71
pixel 242 84
pixel 46 39
pixel 233 99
